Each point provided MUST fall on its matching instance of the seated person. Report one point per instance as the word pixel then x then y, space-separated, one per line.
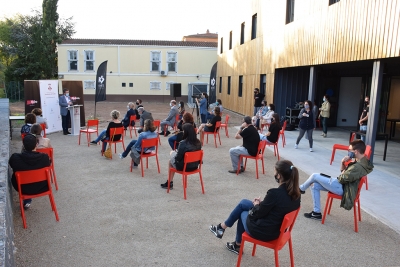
pixel 149 131
pixel 131 112
pixel 273 130
pixel 345 185
pixel 260 113
pixel 30 119
pixel 170 120
pixel 144 115
pixel 105 134
pixel 39 117
pixel 262 219
pixel 210 115
pixel 177 137
pixel 26 161
pixel 42 142
pixel 181 109
pixel 210 126
pixel 189 143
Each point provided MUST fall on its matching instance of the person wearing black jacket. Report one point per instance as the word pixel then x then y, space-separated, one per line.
pixel 258 98
pixel 27 161
pixel 306 124
pixel 262 219
pixel 190 143
pixel 131 112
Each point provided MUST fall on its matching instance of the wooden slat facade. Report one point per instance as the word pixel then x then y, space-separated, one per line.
pixel 350 30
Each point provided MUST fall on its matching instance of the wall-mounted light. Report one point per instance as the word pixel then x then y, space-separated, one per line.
pixel 110 71
pixel 198 77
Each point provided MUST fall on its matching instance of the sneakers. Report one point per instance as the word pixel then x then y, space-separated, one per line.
pixel 93 143
pixel 311 149
pixel 217 230
pixel 296 146
pixel 235 170
pixel 313 215
pixel 165 185
pixel 27 203
pixel 322 134
pixel 167 133
pixel 120 156
pixel 302 192
pixel 325 135
pixel 231 246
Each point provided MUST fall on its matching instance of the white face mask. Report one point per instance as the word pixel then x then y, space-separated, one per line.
pixel 179 105
pixel 66 94
pixel 127 107
pixel 269 108
pixel 170 104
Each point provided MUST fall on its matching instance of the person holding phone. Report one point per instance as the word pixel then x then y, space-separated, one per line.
pixel 345 185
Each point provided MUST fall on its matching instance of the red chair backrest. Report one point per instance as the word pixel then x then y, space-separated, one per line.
pixel 146 143
pixel 157 123
pixel 360 184
pixel 33 176
pixel 23 135
pixel 217 126
pixel 368 151
pixel 195 156
pixel 43 125
pixel 286 227
pixel 92 123
pixel 132 118
pixel 261 147
pixel 46 150
pixel 116 131
pixel 353 135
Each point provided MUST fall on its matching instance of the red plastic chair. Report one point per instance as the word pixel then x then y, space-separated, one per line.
pixel 23 135
pixel 215 133
pixel 43 125
pixel 132 119
pixel 113 132
pixel 283 133
pixel 147 143
pixel 276 151
pixel 89 130
pixel 156 124
pixel 340 147
pixel 196 156
pixel 263 125
pixel 367 154
pixel 27 177
pixel 261 149
pixel 177 119
pixel 277 244
pixel 356 207
pixel 49 151
pixel 225 125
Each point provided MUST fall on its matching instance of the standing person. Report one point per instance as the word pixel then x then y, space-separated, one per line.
pixel 64 101
pixel 189 143
pixel 345 185
pixel 144 115
pixel 258 97
pixel 260 113
pixel 306 124
pixel 203 107
pixel 29 160
pixel 131 112
pixel 364 118
pixel 39 117
pixel 251 139
pixel 138 105
pixel 262 219
pixel 30 119
pixel 181 109
pixel 170 120
pixel 324 115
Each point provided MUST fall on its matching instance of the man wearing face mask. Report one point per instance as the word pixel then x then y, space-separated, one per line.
pixel 144 115
pixel 258 98
pixel 64 101
pixel 364 118
pixel 131 112
pixel 345 185
pixel 170 120
pixel 138 105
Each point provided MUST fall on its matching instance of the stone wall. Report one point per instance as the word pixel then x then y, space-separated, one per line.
pixel 6 216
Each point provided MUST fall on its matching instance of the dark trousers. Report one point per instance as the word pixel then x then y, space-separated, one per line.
pixel 65 122
pixel 324 121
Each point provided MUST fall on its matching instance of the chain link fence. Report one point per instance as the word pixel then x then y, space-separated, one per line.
pixel 14 91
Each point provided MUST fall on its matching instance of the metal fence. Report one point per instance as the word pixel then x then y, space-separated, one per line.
pixel 14 91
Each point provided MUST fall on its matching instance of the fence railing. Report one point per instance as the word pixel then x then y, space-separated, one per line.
pixel 14 91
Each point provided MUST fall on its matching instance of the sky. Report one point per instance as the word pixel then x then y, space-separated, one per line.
pixel 134 19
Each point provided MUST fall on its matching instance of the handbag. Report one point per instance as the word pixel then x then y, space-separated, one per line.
pixel 108 152
pixel 135 155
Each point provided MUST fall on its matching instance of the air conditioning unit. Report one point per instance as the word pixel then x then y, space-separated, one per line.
pixel 163 73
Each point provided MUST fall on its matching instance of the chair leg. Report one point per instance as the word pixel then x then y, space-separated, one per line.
pixel 158 165
pixel 141 166
pixel 55 207
pixel 333 155
pixel 366 183
pixel 276 258
pixel 53 175
pixel 277 151
pixel 325 210
pixel 262 162
pixel 355 217
pixel 219 137
pixel 240 254
pixel 330 205
pixel 254 250
pixel 256 168
pixel 169 178
pixel 201 182
pixel 238 167
pixel 21 205
pixel 359 210
pixel 291 252
pixel 215 140
pixel 79 140
pixel 184 177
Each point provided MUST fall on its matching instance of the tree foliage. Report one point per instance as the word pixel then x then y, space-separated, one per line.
pixel 28 43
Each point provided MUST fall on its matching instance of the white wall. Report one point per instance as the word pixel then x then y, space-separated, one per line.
pixel 348 101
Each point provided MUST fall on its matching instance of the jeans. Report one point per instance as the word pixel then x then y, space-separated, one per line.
pixel 256 109
pixel 203 118
pixel 240 213
pixel 321 183
pixel 65 120
pixel 235 153
pixel 324 121
pixel 128 149
pixel 309 135
pixel 363 128
pixel 163 123
pixel 100 137
pixel 172 140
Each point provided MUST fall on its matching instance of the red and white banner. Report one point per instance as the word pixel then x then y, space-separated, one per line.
pixel 49 104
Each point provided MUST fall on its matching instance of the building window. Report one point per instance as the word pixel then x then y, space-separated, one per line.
pixel 168 84
pixel 130 84
pixel 230 40
pixel 242 34
pixel 289 11
pixel 221 46
pixel 123 84
pixel 89 60
pixel 254 27
pixel 240 86
pixel 89 85
pixel 263 83
pixel 220 84
pixel 229 85
pixel 331 2
pixel 155 60
pixel 172 61
pixel 155 85
pixel 72 60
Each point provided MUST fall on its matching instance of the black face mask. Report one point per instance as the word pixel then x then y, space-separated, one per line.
pixel 366 103
pixel 276 178
pixel 137 103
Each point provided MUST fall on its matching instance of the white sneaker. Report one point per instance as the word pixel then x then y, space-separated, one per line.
pixel 120 156
pixel 322 134
pixel 311 150
pixel 295 146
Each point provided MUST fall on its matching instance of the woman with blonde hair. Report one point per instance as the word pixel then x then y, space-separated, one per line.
pixel 105 134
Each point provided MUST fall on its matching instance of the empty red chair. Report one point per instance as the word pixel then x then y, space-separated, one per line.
pixel 283 133
pixel 340 147
pixel 49 151
pixel 356 206
pixel 277 244
pixel 157 125
pixel 215 133
pixel 196 156
pixel 43 125
pixel 28 177
pixel 225 125
pixel 132 119
pixel 275 145
pixel 114 132
pixel 147 143
pixel 261 149
pixel 92 126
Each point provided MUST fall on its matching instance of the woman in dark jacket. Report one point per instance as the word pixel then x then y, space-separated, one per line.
pixel 263 219
pixel 105 134
pixel 210 126
pixel 178 136
pixel 189 143
pixel 306 124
